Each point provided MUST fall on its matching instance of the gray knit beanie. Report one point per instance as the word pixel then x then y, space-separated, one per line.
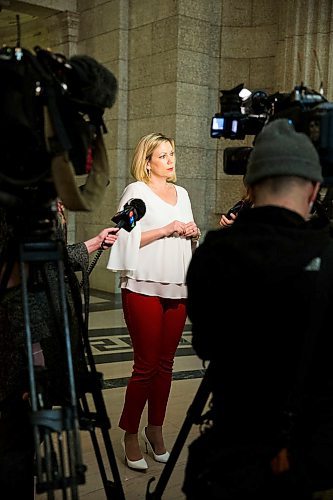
pixel 280 150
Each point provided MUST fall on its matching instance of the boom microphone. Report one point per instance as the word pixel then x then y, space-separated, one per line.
pixel 133 211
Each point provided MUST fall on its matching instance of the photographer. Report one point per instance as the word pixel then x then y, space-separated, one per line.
pixel 272 272
pixel 16 441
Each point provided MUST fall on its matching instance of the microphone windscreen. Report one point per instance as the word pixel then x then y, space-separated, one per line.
pixel 138 205
pixel 93 82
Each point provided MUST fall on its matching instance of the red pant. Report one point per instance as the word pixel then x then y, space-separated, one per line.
pixel 155 326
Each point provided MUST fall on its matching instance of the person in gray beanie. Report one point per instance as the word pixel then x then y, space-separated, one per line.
pixel 270 276
pixel 281 151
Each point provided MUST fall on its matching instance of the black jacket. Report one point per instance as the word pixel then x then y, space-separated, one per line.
pixel 259 277
pixel 45 318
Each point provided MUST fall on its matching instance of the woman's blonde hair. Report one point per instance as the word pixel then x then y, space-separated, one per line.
pixel 142 153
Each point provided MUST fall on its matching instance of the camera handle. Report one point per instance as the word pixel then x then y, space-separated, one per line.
pixel 193 416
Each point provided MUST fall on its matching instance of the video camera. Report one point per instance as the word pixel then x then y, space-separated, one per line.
pixel 51 128
pixel 51 132
pixel 245 113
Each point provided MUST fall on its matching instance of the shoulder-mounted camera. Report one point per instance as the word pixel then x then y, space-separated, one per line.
pixel 244 113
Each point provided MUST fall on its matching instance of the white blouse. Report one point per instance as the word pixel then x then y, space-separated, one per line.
pixel 160 267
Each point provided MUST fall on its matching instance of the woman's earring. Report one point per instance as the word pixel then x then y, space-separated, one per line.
pixel 148 171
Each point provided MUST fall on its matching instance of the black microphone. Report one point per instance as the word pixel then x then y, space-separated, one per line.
pixel 133 211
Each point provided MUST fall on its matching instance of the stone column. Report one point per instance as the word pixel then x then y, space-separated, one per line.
pixel 104 32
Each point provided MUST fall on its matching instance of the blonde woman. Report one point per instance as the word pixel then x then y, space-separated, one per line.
pixel 153 260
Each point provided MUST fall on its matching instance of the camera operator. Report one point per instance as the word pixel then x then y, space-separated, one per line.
pixel 271 276
pixel 16 440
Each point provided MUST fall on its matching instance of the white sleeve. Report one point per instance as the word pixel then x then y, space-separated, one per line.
pixel 124 252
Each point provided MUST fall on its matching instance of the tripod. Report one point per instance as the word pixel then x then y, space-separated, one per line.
pixel 56 430
pixel 193 416
pixel 90 419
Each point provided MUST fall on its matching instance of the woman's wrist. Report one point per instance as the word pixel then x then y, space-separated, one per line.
pixel 93 244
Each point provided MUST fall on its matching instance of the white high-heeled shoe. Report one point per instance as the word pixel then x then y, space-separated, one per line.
pixel 158 458
pixel 140 465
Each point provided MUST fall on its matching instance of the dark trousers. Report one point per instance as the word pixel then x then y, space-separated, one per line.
pixel 16 451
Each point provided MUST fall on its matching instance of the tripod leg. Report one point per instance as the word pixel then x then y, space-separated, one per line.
pixel 93 385
pixel 67 420
pixel 192 417
pixel 113 489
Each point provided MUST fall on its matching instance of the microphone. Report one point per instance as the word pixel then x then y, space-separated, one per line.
pixel 133 211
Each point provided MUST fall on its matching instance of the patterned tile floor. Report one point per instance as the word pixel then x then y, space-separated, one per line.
pixel 112 353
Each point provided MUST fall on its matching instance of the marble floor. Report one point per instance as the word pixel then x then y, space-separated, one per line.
pixel 112 353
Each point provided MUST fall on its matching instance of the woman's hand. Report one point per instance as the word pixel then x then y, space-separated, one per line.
pixel 175 228
pixel 225 222
pixel 105 239
pixel 108 236
pixel 192 230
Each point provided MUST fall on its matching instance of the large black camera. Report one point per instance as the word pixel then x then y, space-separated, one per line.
pixel 244 113
pixel 52 127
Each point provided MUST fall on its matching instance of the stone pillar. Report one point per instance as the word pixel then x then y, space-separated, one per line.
pixel 104 31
